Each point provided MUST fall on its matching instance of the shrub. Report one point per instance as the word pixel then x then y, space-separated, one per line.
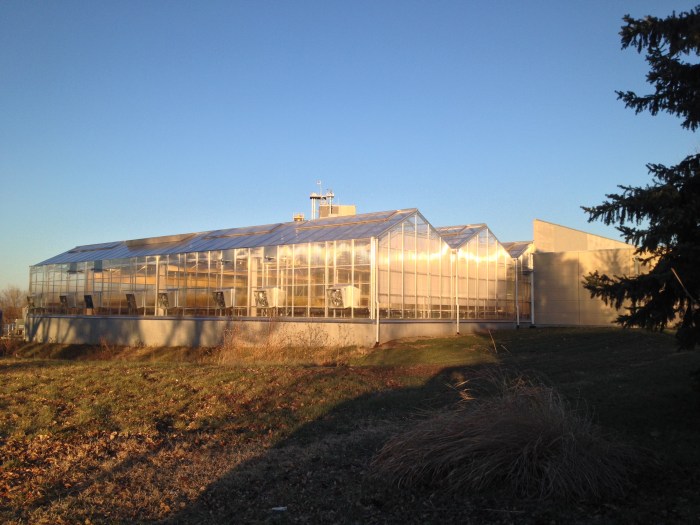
pixel 523 440
pixel 9 346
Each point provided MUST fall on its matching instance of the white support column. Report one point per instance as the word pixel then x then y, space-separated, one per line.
pixel 155 302
pixel 374 285
pixel 517 294
pixel 532 297
pixel 456 273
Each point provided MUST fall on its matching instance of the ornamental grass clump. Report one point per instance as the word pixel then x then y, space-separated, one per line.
pixel 521 439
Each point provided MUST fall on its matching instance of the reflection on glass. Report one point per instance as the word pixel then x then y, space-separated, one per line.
pixel 417 275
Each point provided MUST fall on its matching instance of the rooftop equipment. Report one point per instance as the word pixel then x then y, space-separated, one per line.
pixel 316 199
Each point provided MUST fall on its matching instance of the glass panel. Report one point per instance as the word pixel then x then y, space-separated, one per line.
pixel 318 276
pixel 362 251
pixel 301 255
pixel 318 252
pixel 317 302
pixel 343 276
pixel 301 276
pixel 343 253
pixel 396 239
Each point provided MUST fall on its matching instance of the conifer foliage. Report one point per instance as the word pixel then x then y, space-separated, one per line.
pixel 661 219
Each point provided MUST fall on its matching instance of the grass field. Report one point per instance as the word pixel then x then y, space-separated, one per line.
pixel 108 435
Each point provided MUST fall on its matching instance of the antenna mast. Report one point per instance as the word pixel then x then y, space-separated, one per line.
pixel 320 196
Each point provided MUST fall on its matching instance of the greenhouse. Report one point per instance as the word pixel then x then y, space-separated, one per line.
pixel 385 265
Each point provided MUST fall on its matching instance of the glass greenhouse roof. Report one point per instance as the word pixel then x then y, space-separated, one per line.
pixel 319 230
pixel 516 248
pixel 456 236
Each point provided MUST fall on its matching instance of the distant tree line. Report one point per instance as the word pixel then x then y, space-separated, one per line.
pixel 12 300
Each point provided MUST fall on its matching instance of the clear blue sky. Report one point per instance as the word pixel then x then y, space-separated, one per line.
pixel 130 119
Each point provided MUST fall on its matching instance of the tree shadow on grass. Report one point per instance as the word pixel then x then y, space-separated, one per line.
pixel 320 473
pixel 7 366
pixel 107 352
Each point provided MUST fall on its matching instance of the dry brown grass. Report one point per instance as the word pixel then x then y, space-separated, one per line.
pixel 519 438
pixel 166 435
pixel 125 442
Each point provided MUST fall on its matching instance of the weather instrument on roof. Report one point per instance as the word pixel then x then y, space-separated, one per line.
pixel 318 198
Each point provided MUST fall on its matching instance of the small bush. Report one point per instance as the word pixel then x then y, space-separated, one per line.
pixel 8 346
pixel 524 441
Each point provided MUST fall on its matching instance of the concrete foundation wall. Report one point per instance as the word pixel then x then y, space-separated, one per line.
pixel 561 299
pixel 210 332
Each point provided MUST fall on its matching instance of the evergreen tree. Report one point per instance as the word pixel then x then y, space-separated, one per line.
pixel 661 219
